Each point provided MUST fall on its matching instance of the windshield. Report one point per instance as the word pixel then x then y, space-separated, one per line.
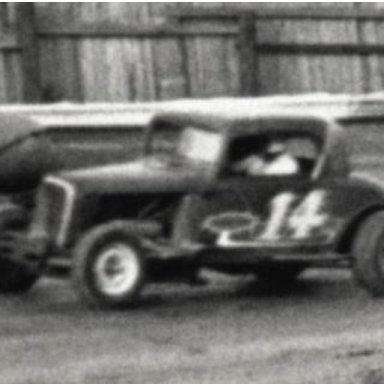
pixel 199 145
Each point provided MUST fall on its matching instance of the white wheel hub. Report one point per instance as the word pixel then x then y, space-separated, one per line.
pixel 117 269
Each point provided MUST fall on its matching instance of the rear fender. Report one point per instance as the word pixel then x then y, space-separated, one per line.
pixel 344 241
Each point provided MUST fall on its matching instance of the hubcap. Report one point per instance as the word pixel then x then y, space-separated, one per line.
pixel 117 269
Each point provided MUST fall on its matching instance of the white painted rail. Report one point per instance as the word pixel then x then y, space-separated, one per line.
pixel 126 115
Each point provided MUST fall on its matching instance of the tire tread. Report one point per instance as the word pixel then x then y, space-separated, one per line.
pixel 364 254
pixel 82 256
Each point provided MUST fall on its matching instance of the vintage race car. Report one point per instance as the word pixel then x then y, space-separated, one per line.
pixel 170 213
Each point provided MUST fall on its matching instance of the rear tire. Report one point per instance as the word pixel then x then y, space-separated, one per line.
pixel 368 254
pixel 14 277
pixel 109 266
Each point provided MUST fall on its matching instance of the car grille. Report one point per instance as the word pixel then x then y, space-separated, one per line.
pixel 49 213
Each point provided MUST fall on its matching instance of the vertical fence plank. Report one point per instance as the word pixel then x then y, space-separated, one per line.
pixel 13 78
pixel 248 63
pixel 26 30
pixel 3 85
pixel 93 69
pixel 232 61
pixel 169 72
pixel 118 80
pixel 69 75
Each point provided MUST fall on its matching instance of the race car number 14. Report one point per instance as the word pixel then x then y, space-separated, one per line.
pixel 301 221
pixel 290 217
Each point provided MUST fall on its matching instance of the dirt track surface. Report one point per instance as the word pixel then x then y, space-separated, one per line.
pixel 323 329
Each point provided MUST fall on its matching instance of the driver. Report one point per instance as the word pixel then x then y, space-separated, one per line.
pixel 276 160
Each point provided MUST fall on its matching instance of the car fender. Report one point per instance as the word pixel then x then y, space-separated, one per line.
pixel 344 240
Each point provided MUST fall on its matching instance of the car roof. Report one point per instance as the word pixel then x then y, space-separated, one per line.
pixel 240 122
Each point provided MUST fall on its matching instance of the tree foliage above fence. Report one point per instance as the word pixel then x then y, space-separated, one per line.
pixel 147 51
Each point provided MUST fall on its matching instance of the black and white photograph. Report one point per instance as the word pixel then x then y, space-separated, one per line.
pixel 191 193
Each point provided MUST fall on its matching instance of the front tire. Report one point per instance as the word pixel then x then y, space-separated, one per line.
pixel 368 255
pixel 109 266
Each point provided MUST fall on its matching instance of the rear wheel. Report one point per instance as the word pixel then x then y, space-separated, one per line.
pixel 109 266
pixel 368 255
pixel 14 277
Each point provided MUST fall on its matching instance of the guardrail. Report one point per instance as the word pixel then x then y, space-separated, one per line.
pixel 71 115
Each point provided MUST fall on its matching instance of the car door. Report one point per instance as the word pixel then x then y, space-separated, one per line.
pixel 302 213
pixel 273 212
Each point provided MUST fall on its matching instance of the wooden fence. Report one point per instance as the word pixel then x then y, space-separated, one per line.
pixel 134 51
pixel 11 77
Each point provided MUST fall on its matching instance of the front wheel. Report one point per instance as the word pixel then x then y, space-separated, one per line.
pixel 109 266
pixel 368 254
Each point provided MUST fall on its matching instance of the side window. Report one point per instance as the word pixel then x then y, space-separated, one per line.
pixel 244 149
pixel 272 155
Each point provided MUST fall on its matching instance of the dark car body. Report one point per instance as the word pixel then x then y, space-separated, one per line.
pixel 199 207
pixel 184 208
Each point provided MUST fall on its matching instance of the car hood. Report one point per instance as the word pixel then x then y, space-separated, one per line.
pixel 145 175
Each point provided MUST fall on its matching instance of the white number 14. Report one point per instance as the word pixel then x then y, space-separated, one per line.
pixel 301 220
